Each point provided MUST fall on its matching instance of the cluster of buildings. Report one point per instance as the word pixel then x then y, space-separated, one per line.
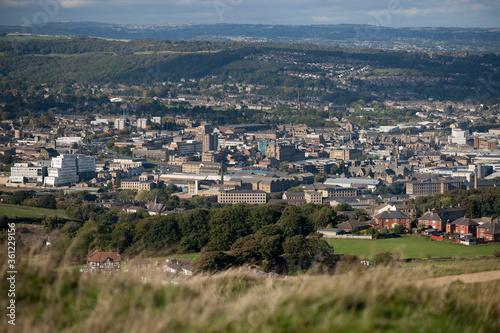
pixel 61 170
pixel 436 223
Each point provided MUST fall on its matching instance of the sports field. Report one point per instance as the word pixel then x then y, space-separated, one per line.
pixel 410 247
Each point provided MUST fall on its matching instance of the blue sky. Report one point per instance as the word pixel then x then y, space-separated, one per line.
pixel 396 13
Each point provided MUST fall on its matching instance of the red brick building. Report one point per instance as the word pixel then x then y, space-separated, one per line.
pixel 489 231
pixel 389 219
pixel 463 225
pixel 438 218
pixel 433 220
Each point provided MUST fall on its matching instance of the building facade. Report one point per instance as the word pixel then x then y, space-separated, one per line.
pixel 425 188
pixel 138 185
pixel 240 196
pixel 27 173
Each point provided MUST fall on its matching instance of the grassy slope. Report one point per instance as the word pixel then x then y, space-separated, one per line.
pixel 442 268
pixel 24 211
pixel 374 300
pixel 410 247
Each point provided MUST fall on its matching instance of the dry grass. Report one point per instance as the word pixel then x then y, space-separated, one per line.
pixel 374 300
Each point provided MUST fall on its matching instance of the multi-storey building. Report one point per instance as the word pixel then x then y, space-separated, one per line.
pixel 142 123
pixel 210 142
pixel 120 123
pixel 459 137
pixel 155 154
pixel 313 197
pixel 69 140
pixel 345 154
pixel 67 169
pixel 424 188
pixel 281 151
pixel 27 173
pixel 138 185
pixel 85 166
pixel 62 171
pixel 201 167
pixel 339 192
pixel 239 196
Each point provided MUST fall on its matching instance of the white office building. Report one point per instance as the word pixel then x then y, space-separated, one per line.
pixel 27 173
pixel 459 137
pixel 67 169
pixel 68 141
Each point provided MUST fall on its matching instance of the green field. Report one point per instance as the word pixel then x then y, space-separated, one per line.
pixel 410 247
pixel 12 211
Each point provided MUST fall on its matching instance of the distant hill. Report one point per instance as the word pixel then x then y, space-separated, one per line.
pixel 350 35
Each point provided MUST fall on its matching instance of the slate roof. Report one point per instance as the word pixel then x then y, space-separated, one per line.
pixel 491 228
pixel 464 221
pixel 351 224
pixel 391 215
pixel 430 215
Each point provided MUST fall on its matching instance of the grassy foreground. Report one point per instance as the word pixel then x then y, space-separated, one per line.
pixel 374 300
pixel 410 247
pixel 12 211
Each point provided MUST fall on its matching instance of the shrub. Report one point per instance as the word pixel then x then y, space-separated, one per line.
pixel 385 258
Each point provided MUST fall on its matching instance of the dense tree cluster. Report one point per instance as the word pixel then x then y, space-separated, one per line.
pixel 476 202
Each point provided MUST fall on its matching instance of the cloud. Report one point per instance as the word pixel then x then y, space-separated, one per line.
pixel 409 13
pixel 414 12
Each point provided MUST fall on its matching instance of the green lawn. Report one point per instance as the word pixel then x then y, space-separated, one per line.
pixel 410 247
pixel 24 211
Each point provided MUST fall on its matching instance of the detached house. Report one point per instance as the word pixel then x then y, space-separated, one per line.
pixel 103 262
pixel 463 225
pixel 389 219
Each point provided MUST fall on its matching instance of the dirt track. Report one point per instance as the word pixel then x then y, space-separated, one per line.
pixel 466 278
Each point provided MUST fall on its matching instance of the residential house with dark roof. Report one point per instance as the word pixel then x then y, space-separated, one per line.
pixel 490 231
pixel 439 218
pixel 389 219
pixel 462 226
pixel 433 220
pixel 352 224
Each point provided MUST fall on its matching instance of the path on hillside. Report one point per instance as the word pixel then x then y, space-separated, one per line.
pixel 466 278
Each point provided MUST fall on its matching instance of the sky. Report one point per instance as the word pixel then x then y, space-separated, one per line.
pixel 393 13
